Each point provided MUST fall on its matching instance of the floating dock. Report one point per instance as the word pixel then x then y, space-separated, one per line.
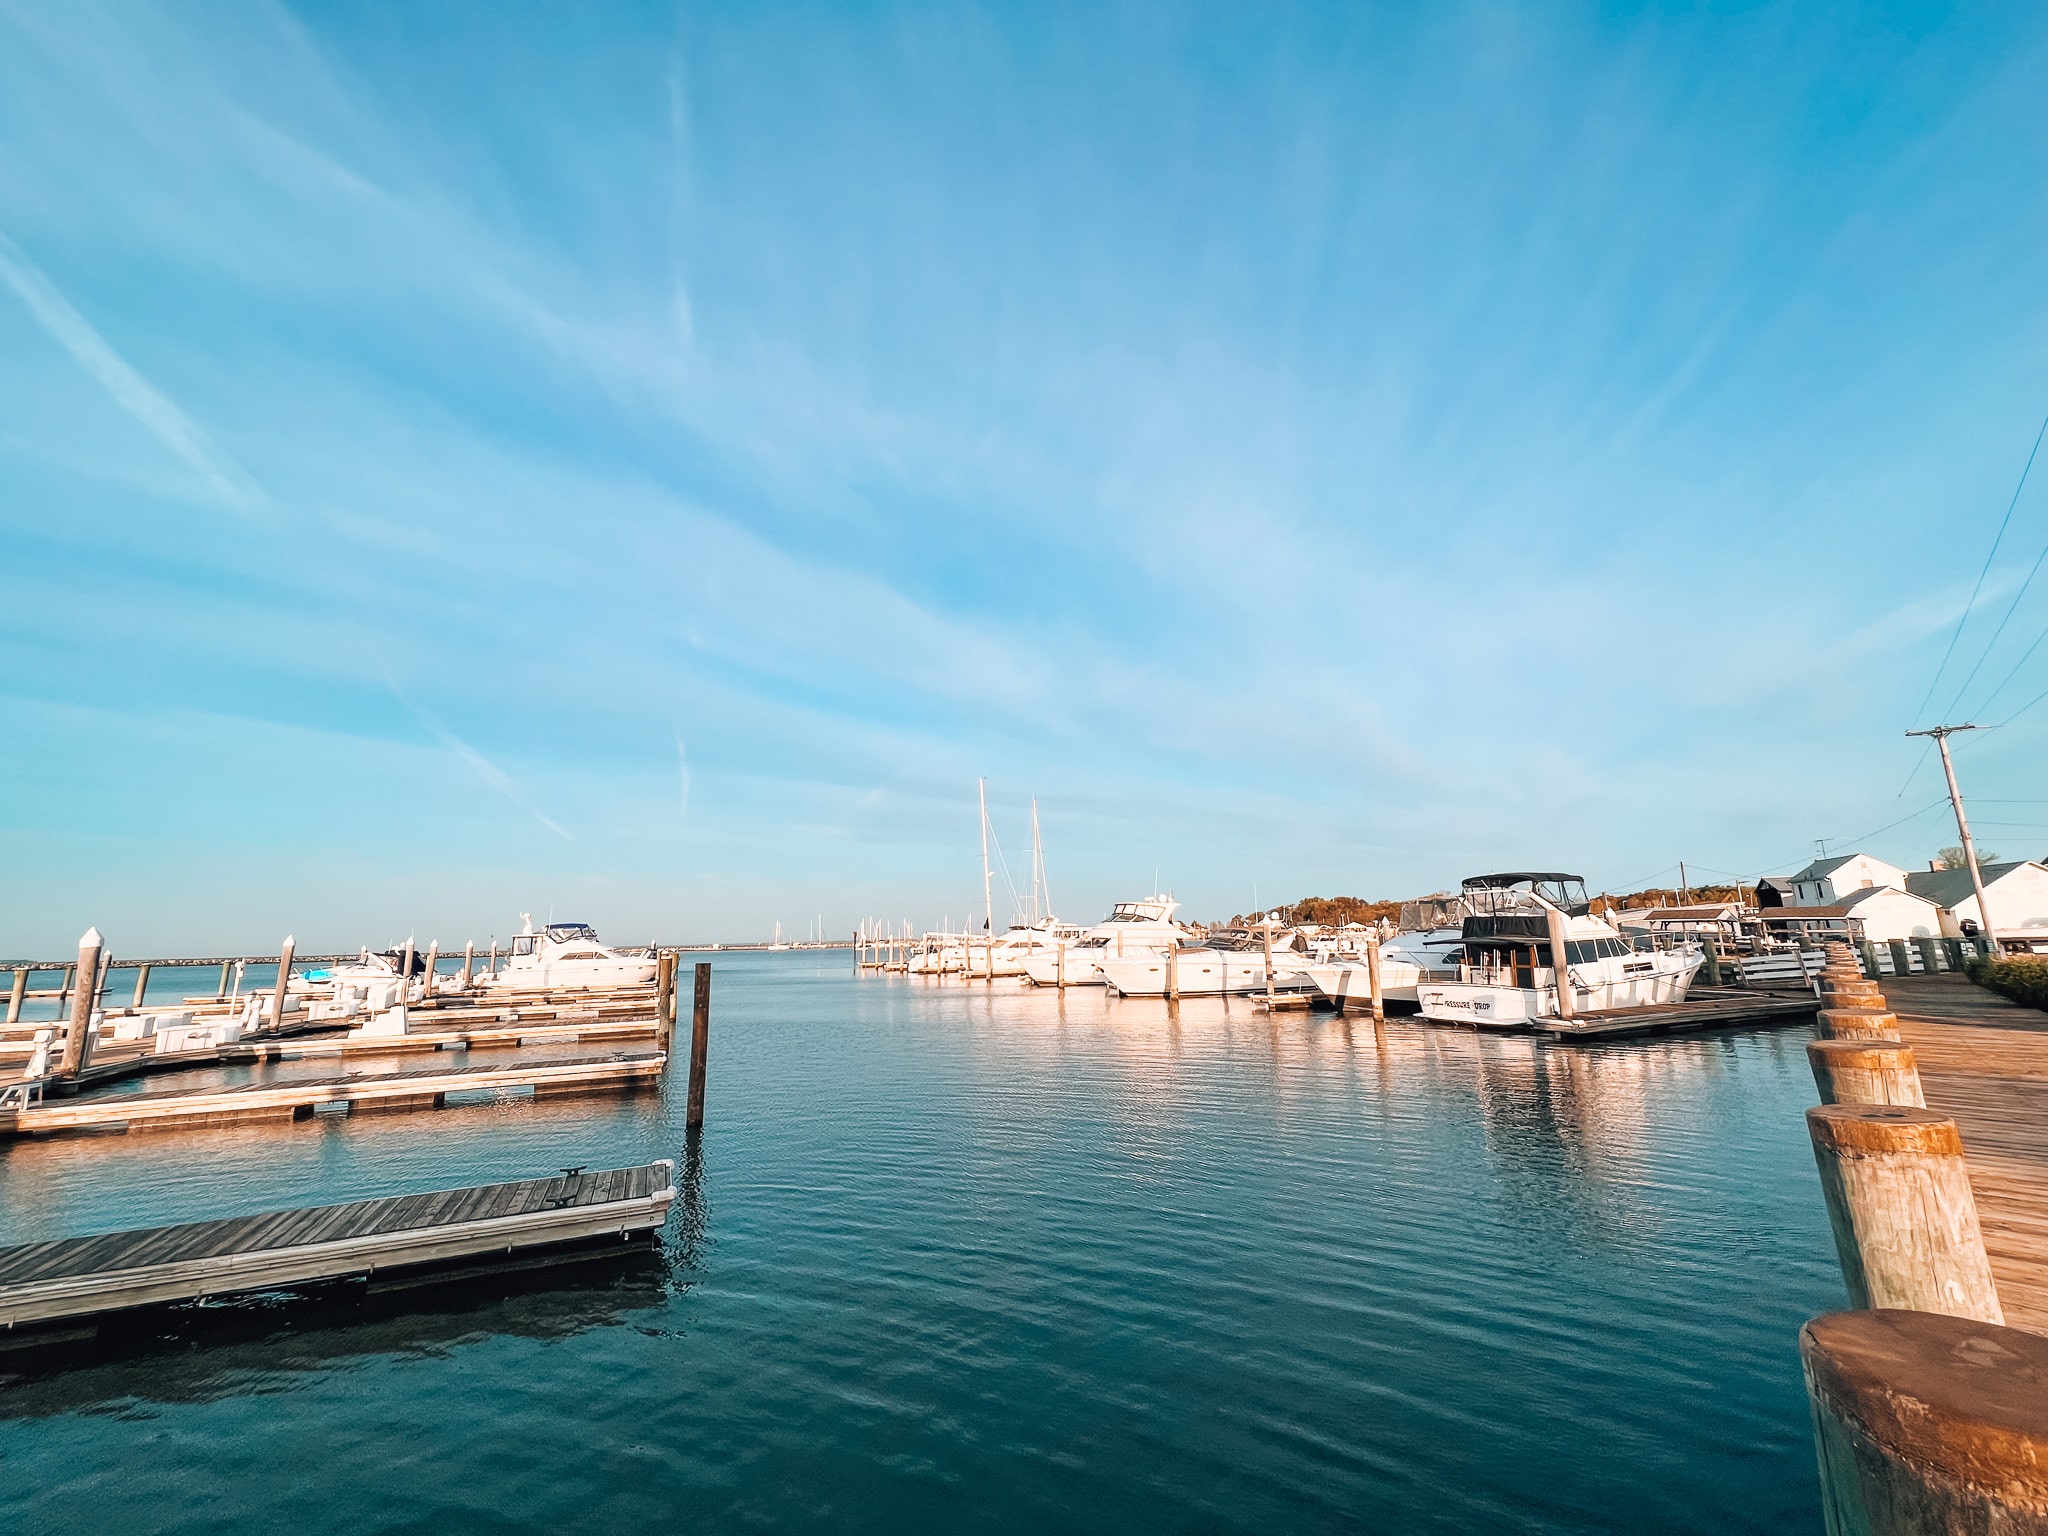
pixel 80 1276
pixel 422 1088
pixel 1703 1010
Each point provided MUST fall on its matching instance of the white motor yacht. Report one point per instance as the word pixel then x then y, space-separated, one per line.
pixel 1134 929
pixel 1507 972
pixel 1232 962
pixel 568 955
pixel 1344 975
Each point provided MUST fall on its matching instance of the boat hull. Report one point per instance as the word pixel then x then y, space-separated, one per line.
pixel 1199 973
pixel 1639 984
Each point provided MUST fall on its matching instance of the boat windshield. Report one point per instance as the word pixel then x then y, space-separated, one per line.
pixel 562 933
pixel 1496 894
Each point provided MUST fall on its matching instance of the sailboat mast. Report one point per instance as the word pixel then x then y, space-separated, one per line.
pixel 1037 866
pixel 988 890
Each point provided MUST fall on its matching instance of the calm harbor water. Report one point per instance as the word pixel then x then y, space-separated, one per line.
pixel 949 1256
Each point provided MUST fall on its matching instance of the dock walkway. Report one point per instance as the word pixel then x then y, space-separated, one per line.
pixel 79 1276
pixel 1984 1062
pixel 183 1109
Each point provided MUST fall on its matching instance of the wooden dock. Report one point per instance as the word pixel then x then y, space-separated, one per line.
pixel 1717 1008
pixel 80 1276
pixel 422 1088
pixel 1984 1062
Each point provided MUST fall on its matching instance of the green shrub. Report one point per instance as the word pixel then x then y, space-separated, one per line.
pixel 2025 981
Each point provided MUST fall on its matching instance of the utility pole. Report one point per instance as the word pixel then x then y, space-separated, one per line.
pixel 1941 734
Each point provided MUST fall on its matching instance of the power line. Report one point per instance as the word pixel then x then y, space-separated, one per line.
pixel 2024 655
pixel 1974 591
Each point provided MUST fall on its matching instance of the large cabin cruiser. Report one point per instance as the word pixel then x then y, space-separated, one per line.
pixel 1133 929
pixel 568 955
pixel 1507 974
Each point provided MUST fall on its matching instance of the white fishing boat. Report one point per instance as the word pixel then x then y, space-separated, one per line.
pixel 568 955
pixel 1232 963
pixel 1507 972
pixel 1133 930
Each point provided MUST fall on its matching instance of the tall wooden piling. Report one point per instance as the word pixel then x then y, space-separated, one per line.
pixel 1173 972
pixel 665 993
pixel 1865 1072
pixel 405 973
pixel 1560 965
pixel 468 961
pixel 1904 1217
pixel 16 993
pixel 1924 1423
pixel 1060 966
pixel 75 1050
pixel 141 984
pixel 433 959
pixel 700 1045
pixel 284 975
pixel 1372 980
pixel 1269 964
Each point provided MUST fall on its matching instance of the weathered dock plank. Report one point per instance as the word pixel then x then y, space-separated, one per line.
pixel 181 1109
pixel 106 1272
pixel 1984 1062
pixel 1712 1011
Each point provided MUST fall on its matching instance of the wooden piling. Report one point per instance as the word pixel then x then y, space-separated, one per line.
pixel 1924 1423
pixel 284 975
pixel 1061 966
pixel 1856 1024
pixel 700 1045
pixel 141 984
pixel 1560 967
pixel 64 989
pixel 1865 1072
pixel 75 1053
pixel 1173 972
pixel 1269 964
pixel 468 961
pixel 1870 965
pixel 1904 1217
pixel 1902 961
pixel 221 991
pixel 1710 962
pixel 665 992
pixel 1372 980
pixel 1929 955
pixel 405 973
pixel 433 959
pixel 15 994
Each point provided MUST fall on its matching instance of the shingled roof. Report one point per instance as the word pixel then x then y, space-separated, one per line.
pixel 1946 887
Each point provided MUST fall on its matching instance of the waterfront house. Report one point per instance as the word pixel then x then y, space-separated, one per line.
pixel 1831 881
pixel 2017 891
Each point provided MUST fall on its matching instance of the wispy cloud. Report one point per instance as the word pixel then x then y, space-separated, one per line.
pixel 484 768
pixel 129 389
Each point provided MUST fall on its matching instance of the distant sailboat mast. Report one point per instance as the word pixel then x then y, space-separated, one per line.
pixel 988 890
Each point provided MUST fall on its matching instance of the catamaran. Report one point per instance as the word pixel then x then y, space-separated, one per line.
pixel 1507 971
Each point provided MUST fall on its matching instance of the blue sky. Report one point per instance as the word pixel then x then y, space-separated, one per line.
pixel 645 463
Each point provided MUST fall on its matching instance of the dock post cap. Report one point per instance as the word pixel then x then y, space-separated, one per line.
pixel 91 940
pixel 1879 1129
pixel 1965 1400
pixel 289 942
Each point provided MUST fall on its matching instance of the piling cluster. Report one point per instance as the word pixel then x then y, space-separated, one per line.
pixel 1929 1414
